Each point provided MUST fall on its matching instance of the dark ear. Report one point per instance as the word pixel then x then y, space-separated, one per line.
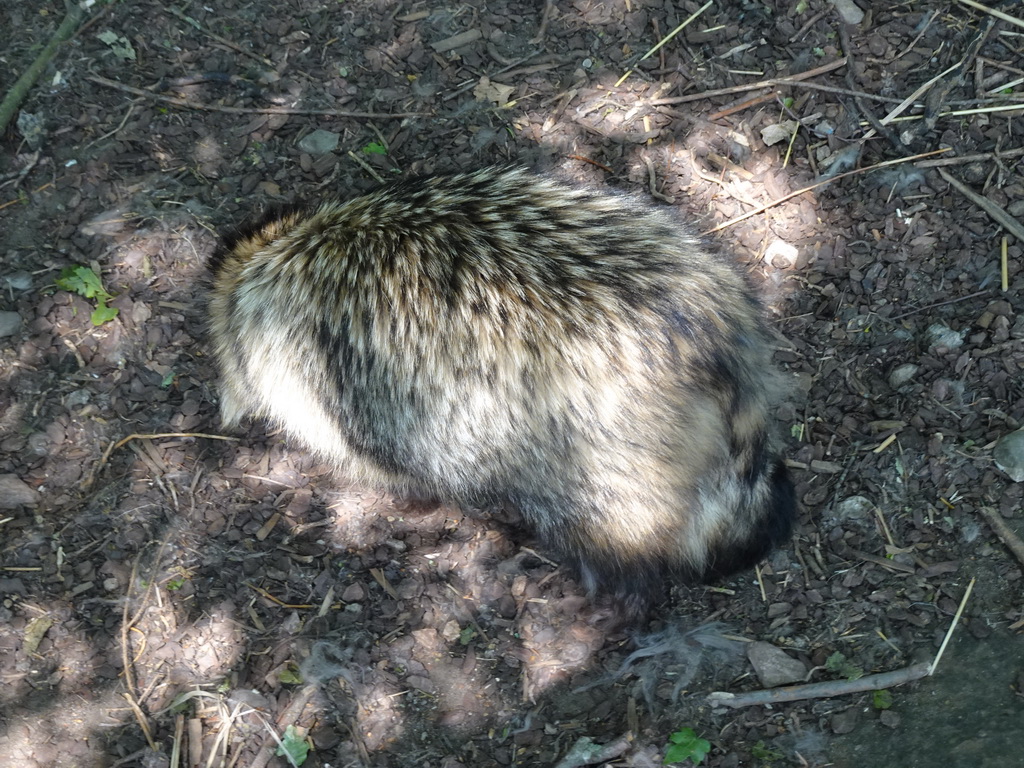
pixel 253 228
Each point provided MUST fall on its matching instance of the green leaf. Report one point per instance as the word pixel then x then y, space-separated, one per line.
pixel 881 700
pixel 764 753
pixel 180 702
pixel 167 380
pixel 119 45
pixel 686 745
pixel 290 675
pixel 375 148
pixel 293 746
pixel 839 664
pixel 103 313
pixel 466 635
pixel 83 281
pixel 80 280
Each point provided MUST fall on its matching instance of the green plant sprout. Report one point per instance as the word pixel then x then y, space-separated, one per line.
pixel 684 744
pixel 839 664
pixel 293 746
pixel 83 281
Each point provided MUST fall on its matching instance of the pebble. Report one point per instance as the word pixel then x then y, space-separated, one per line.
pixel 845 721
pixel 774 666
pixel 353 593
pixel 853 509
pixel 849 11
pixel 939 335
pixel 18 281
pixel 319 142
pixel 10 323
pixel 902 374
pixel 1009 455
pixel 15 492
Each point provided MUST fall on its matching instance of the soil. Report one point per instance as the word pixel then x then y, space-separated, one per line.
pixel 186 597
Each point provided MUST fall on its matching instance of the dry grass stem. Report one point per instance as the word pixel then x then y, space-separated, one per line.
pixel 952 626
pixel 993 12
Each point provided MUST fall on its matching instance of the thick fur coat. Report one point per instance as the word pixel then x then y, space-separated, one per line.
pixel 504 338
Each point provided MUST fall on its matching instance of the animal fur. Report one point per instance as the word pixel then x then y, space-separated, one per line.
pixel 503 338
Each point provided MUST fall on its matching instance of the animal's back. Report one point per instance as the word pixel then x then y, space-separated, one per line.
pixel 501 337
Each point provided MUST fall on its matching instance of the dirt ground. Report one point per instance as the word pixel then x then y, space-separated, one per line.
pixel 187 597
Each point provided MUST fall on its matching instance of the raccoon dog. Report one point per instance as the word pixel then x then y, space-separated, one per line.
pixel 503 338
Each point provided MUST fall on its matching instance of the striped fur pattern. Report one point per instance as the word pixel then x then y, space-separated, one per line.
pixel 504 338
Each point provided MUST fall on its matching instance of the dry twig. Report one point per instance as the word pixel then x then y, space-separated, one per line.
pixel 18 91
pixel 545 19
pixel 1004 532
pixel 188 104
pixel 975 158
pixel 125 440
pixel 770 83
pixel 956 300
pixel 994 211
pixel 815 185
pixel 832 688
pixel 290 716
pixel 819 690
pixel 222 40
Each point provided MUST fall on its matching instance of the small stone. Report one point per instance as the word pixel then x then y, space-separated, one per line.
pixel 853 509
pixel 421 683
pixel 889 719
pixel 849 11
pixel 1001 307
pixel 18 281
pixel 845 721
pixel 451 631
pixel 902 374
pixel 353 593
pixel 319 142
pixel 939 335
pixel 77 398
pixel 10 323
pixel 12 587
pixel 15 492
pixel 39 443
pixel 32 127
pixel 774 666
pixel 781 255
pixel 1009 455
pixel 778 132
